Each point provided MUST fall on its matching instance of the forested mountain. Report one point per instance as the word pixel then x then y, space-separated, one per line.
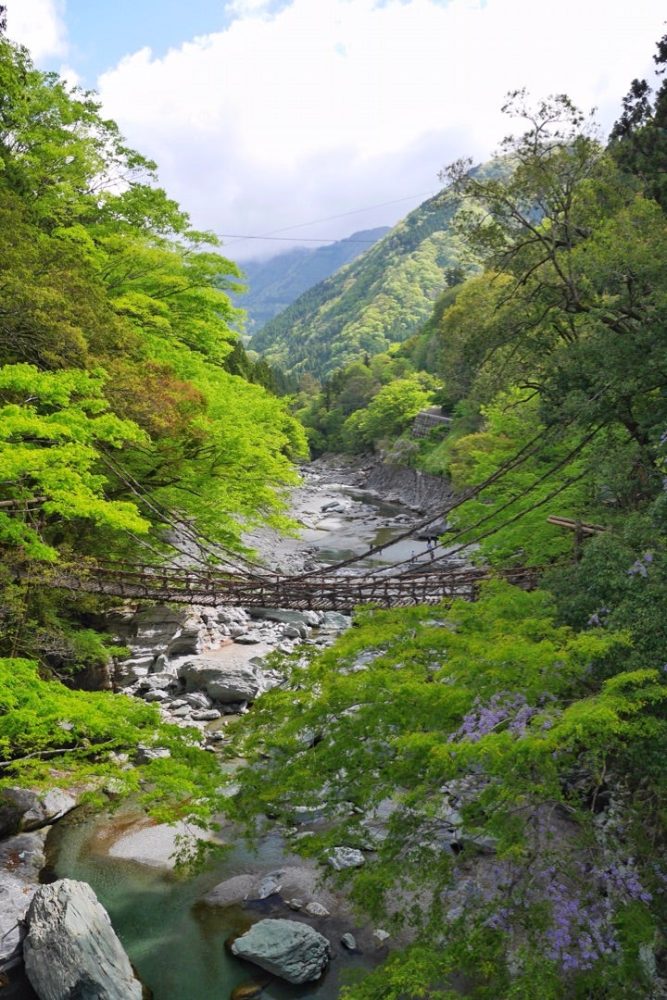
pixel 273 284
pixel 377 300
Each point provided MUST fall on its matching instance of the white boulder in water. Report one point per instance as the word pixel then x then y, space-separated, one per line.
pixel 345 857
pixel 71 949
pixel 285 948
pixel 224 678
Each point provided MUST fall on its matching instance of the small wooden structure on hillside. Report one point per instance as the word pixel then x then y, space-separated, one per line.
pixel 427 420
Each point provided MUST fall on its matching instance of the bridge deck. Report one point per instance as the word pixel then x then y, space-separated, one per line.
pixel 319 593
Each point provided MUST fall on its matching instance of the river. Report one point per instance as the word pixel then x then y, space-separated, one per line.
pixel 175 943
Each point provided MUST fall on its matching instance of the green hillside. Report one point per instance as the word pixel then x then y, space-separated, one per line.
pixel 274 283
pixel 381 298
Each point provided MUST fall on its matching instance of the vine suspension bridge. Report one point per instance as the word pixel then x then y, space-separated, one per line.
pixel 316 592
pixel 233 579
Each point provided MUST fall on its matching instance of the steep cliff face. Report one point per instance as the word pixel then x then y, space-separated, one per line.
pixel 411 487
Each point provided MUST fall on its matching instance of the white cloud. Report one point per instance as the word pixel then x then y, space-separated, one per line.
pixel 70 75
pixel 327 105
pixel 39 25
pixel 242 8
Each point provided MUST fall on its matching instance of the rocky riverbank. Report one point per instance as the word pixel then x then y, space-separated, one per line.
pixel 203 667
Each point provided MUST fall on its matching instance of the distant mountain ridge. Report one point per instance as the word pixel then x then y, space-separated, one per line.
pixel 382 297
pixel 274 283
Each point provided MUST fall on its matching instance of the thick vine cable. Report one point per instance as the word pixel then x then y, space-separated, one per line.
pixel 170 518
pixel 460 532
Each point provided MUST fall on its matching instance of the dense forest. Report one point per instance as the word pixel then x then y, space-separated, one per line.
pixel 533 723
pixel 128 408
pixel 379 299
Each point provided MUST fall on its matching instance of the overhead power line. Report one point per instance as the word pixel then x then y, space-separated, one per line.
pixel 297 239
pixel 331 218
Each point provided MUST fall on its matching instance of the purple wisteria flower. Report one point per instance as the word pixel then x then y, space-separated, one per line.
pixel 503 707
pixel 622 880
pixel 640 566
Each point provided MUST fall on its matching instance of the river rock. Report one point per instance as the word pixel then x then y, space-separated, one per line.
pixel 72 951
pixel 157 845
pixel 287 617
pixel 345 857
pixel 21 860
pixel 349 941
pixel 145 755
pixel 286 948
pixel 162 681
pixel 316 909
pixel 335 621
pixel 294 884
pixel 232 891
pixel 230 616
pixel 156 695
pixel 22 809
pixel 223 679
pixel 198 700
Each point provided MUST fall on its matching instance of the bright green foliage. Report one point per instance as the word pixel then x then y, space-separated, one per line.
pixel 409 704
pixel 46 728
pixel 390 412
pixel 363 404
pixel 582 318
pixel 52 427
pixel 509 519
pixel 118 347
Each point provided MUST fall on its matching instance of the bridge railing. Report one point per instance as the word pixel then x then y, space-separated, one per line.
pixel 325 592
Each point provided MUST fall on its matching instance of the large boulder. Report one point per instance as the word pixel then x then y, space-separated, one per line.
pixel 71 950
pixel 289 882
pixel 287 617
pixel 345 857
pixel 21 860
pixel 232 891
pixel 155 845
pixel 285 948
pixel 22 809
pixel 224 679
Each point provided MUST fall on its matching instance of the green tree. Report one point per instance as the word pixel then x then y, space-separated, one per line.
pixel 389 413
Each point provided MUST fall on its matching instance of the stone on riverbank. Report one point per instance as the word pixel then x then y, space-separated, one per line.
pixel 155 845
pixel 224 679
pixel 71 949
pixel 345 857
pixel 22 810
pixel 286 948
pixel 287 617
pixel 291 883
pixel 21 860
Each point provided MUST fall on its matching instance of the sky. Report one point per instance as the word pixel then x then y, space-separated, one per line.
pixel 312 119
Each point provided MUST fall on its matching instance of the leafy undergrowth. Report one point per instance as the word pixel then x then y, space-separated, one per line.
pixel 501 753
pixel 52 735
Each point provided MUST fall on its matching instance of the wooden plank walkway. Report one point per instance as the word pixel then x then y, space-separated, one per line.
pixel 318 593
